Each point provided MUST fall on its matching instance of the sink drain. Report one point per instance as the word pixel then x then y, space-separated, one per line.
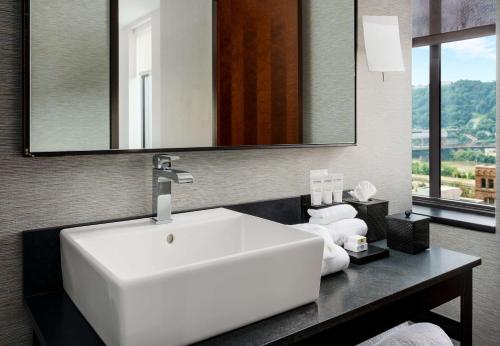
pixel 170 238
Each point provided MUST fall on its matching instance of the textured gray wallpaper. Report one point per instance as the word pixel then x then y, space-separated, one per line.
pixel 486 278
pixel 328 72
pixel 46 192
pixel 70 75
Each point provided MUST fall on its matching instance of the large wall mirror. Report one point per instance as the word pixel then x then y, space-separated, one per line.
pixel 176 74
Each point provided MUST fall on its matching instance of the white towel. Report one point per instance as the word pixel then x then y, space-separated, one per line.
pixel 331 214
pixel 334 257
pixel 337 261
pixel 418 334
pixel 340 231
pixel 377 338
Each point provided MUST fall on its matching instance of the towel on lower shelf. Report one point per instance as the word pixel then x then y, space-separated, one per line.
pixel 335 258
pixel 377 338
pixel 331 214
pixel 418 334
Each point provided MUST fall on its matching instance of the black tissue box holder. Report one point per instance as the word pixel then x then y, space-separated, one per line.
pixel 408 234
pixel 373 212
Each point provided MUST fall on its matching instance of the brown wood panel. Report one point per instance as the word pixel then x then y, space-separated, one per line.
pixel 258 69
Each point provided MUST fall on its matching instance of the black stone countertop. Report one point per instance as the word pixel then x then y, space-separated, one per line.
pixel 352 292
pixel 343 296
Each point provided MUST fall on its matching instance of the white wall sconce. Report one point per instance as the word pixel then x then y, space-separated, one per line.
pixel 383 44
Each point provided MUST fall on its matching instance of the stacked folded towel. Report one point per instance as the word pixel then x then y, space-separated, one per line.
pixel 340 221
pixel 335 258
pixel 335 225
pixel 332 214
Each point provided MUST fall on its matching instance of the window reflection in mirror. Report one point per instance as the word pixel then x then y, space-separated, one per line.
pixel 166 82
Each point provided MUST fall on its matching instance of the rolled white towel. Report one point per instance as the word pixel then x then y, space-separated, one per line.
pixel 418 334
pixel 335 258
pixel 318 230
pixel 337 261
pixel 331 214
pixel 341 230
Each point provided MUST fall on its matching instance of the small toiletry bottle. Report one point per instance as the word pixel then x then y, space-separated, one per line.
pixel 316 191
pixel 327 189
pixel 316 176
pixel 338 187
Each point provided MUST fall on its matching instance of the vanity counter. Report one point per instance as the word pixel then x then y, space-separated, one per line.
pixel 353 305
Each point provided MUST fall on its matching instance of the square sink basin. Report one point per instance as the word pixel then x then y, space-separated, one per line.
pixel 205 273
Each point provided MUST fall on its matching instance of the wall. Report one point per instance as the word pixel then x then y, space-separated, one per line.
pixel 486 279
pixel 156 80
pixel 44 192
pixel 70 75
pixel 187 65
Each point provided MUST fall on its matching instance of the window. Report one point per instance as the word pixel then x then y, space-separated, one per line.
pixel 468 115
pixel 420 132
pixel 140 87
pixel 146 109
pixel 454 100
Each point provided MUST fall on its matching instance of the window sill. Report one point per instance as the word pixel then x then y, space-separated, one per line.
pixel 462 219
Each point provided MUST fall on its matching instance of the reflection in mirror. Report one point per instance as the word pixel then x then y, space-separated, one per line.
pixel 158 74
pixel 328 70
pixel 70 75
pixel 165 78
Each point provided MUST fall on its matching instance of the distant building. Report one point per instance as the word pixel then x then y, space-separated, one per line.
pixel 490 151
pixel 485 183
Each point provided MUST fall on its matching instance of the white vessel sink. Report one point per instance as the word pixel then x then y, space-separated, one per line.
pixel 222 270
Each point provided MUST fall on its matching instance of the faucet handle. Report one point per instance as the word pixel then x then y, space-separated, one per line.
pixel 162 161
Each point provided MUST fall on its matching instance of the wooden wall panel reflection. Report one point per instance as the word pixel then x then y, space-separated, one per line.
pixel 258 72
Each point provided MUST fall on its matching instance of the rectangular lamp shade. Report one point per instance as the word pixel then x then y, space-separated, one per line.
pixel 383 44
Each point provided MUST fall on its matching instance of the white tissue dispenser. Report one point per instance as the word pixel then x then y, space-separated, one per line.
pixel 364 191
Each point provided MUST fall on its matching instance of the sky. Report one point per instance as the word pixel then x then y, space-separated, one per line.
pixel 473 59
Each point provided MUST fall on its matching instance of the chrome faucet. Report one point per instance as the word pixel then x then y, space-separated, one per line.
pixel 163 175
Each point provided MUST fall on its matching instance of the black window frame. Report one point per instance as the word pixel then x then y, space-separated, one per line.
pixel 434 43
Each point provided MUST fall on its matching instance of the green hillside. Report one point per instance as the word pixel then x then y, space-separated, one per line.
pixel 467 106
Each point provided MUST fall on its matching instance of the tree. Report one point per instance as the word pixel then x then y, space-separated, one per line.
pixel 467 105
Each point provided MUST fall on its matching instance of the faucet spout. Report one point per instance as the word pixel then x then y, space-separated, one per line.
pixel 163 176
pixel 176 175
